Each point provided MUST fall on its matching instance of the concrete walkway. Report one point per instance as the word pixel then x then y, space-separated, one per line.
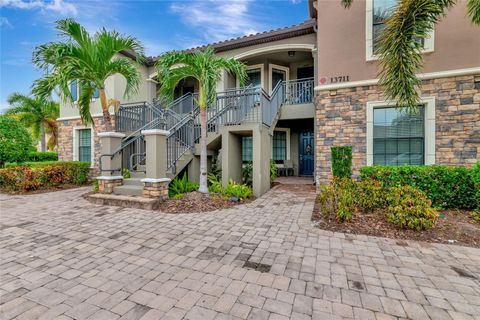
pixel 62 257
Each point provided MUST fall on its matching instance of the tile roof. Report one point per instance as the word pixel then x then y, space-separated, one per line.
pixel 304 28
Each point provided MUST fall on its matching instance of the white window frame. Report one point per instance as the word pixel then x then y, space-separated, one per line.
pixel 262 72
pixel 429 143
pixel 272 66
pixel 287 130
pixel 78 93
pixel 429 44
pixel 76 145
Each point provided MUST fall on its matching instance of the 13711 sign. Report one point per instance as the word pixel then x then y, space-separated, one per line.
pixel 339 79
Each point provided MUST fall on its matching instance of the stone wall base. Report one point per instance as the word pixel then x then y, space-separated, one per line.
pixel 156 188
pixel 106 184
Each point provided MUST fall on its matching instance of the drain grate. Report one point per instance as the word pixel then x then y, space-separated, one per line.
pixel 463 273
pixel 257 266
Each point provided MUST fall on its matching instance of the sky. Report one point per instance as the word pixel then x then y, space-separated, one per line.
pixel 161 25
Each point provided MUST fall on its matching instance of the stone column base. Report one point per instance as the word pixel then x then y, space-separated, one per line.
pixel 106 183
pixel 156 188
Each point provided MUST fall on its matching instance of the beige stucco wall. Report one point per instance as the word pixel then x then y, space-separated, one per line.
pixel 341 38
pixel 115 88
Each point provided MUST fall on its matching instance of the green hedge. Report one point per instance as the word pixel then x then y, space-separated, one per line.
pixel 42 156
pixel 37 177
pixel 29 164
pixel 445 186
pixel 342 161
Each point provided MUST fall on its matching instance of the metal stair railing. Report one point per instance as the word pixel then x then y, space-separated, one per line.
pixel 131 116
pixel 270 104
pixel 179 141
pixel 299 91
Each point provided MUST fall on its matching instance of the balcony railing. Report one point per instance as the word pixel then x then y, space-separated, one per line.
pixel 299 91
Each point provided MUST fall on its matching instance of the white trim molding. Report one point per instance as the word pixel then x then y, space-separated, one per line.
pixel 153 180
pixel 272 66
pixel 111 134
pixel 75 145
pixel 429 143
pixel 109 178
pixel 275 48
pixel 152 132
pixel 429 44
pixel 421 76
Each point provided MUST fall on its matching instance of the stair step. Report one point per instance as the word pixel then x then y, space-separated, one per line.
pixel 126 190
pixel 133 182
pixel 137 175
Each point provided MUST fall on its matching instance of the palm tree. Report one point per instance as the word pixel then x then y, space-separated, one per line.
pixel 36 113
pixel 89 60
pixel 206 68
pixel 400 52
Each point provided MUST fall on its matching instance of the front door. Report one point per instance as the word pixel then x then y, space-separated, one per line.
pixel 306 153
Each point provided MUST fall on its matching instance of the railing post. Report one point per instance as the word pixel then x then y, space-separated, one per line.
pixel 156 181
pixel 111 163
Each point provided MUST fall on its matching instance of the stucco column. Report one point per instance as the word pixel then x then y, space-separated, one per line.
pixel 110 142
pixel 262 153
pixel 111 166
pixel 156 153
pixel 231 157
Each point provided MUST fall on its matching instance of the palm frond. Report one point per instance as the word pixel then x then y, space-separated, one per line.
pixel 130 72
pixel 473 10
pixel 347 3
pixel 400 51
pixel 73 30
pixel 84 101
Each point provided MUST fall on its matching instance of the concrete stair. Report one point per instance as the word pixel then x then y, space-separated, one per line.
pixel 132 186
pixel 181 163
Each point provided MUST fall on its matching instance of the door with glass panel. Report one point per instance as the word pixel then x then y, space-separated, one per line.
pixel 278 76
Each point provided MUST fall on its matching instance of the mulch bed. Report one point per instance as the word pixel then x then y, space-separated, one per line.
pixel 453 227
pixel 198 202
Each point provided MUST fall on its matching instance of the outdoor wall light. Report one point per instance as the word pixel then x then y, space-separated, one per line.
pixel 291 53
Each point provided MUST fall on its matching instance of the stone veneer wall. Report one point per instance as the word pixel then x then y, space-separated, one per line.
pixel 341 120
pixel 65 138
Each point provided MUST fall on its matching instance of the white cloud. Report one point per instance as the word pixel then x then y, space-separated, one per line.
pixel 5 23
pixel 219 20
pixel 61 7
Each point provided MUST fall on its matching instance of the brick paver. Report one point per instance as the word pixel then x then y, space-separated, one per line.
pixel 62 257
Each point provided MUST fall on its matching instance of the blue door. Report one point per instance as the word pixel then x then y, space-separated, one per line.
pixel 306 153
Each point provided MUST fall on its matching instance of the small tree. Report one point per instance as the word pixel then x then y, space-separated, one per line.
pixel 38 114
pixel 15 141
pixel 206 68
pixel 342 161
pixel 89 60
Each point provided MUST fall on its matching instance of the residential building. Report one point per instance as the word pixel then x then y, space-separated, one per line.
pixel 310 87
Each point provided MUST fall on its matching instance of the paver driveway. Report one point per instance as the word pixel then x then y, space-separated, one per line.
pixel 62 257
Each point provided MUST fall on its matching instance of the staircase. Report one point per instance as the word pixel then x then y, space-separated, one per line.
pixel 181 118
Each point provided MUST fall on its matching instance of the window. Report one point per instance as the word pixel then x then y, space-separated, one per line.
pixel 85 145
pixel 76 91
pixel 247 149
pixel 377 13
pixel 279 151
pixel 254 78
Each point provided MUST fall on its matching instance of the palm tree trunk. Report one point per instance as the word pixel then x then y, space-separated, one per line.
pixel 42 138
pixel 203 150
pixel 106 115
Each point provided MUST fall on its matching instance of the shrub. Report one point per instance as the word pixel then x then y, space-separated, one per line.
pixel 342 161
pixel 180 186
pixel 273 171
pixel 446 187
pixel 410 208
pixel 241 191
pixel 338 198
pixel 29 164
pixel 95 186
pixel 126 174
pixel 35 156
pixel 247 173
pixel 370 195
pixel 15 141
pixel 214 184
pixel 28 178
pixel 476 183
